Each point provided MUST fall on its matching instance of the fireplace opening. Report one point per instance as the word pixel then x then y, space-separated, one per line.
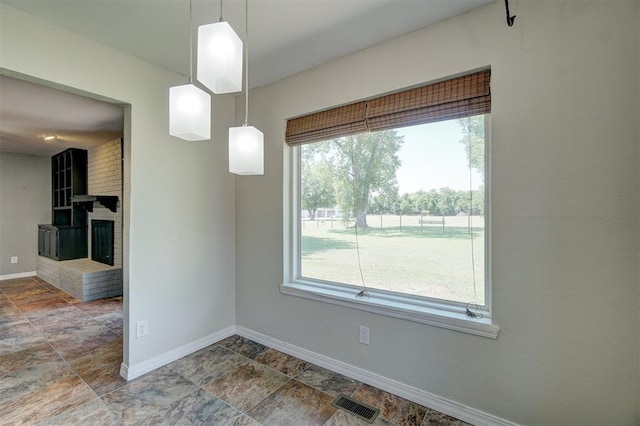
pixel 102 241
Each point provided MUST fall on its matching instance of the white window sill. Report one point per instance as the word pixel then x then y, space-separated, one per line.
pixel 426 312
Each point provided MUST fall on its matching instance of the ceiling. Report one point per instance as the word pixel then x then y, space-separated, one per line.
pixel 29 112
pixel 286 37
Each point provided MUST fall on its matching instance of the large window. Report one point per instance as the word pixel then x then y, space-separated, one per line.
pixel 394 218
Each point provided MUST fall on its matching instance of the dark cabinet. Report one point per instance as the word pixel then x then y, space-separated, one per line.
pixel 62 243
pixel 47 241
pixel 67 238
pixel 68 178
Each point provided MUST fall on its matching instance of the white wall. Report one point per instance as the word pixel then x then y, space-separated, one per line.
pixel 180 225
pixel 565 215
pixel 25 202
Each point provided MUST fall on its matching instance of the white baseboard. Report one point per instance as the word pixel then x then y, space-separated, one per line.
pixel 18 275
pixel 427 399
pixel 134 371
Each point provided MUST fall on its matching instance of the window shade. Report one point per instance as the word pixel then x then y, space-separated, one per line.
pixel 455 98
pixel 333 123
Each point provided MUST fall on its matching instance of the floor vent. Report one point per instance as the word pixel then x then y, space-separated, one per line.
pixel 365 412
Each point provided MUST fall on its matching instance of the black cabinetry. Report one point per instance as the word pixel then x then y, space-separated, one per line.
pixel 68 178
pixel 62 242
pixel 67 237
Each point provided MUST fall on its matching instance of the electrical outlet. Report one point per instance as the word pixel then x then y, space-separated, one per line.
pixel 364 335
pixel 14 259
pixel 142 328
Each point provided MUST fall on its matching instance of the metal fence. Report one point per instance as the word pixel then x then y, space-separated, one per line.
pixel 400 222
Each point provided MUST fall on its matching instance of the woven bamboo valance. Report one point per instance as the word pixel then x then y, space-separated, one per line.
pixel 454 98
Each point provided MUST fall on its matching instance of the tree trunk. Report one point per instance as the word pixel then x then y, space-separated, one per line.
pixel 361 218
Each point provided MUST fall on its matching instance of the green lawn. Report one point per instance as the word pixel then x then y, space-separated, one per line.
pixel 416 259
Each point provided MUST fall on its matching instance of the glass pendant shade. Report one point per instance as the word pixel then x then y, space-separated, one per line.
pixel 189 113
pixel 246 151
pixel 219 58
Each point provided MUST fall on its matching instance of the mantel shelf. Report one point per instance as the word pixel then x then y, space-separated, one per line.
pixel 86 201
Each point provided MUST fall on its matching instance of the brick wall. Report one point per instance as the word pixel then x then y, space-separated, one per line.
pixel 105 178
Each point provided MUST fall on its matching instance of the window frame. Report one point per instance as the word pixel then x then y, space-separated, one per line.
pixel 436 312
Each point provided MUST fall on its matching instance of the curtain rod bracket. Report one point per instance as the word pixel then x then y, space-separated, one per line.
pixel 510 18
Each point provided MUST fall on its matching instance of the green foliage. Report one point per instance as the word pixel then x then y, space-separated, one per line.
pixel 441 202
pixel 367 163
pixel 317 180
pixel 350 169
pixel 358 174
pixel 473 141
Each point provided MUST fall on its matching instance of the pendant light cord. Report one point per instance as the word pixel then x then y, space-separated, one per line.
pixel 190 41
pixel 220 19
pixel 246 63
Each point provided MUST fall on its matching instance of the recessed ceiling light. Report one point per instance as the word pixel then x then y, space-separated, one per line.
pixel 49 137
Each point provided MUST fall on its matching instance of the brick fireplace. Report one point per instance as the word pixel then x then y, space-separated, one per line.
pixel 98 275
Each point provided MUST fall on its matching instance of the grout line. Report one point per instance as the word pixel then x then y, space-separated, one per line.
pixel 202 387
pixel 309 364
pixel 270 393
pixel 42 335
pixel 248 361
pixel 22 316
pixel 53 348
pixel 172 368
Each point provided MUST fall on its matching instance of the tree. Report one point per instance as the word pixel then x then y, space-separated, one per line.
pixel 317 180
pixel 422 202
pixel 477 205
pixel 365 164
pixel 380 203
pixel 407 205
pixel 473 141
pixel 448 202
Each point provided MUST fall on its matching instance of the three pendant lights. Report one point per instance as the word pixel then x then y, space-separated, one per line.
pixel 219 67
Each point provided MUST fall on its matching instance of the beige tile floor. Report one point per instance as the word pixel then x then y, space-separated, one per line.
pixel 60 362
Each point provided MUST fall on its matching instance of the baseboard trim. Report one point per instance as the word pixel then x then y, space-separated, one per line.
pixel 18 275
pixel 427 399
pixel 135 371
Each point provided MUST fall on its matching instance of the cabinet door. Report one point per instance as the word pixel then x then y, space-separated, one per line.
pixel 46 243
pixel 41 241
pixel 53 243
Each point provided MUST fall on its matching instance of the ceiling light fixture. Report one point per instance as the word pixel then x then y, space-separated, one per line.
pixel 189 106
pixel 49 137
pixel 219 57
pixel 246 143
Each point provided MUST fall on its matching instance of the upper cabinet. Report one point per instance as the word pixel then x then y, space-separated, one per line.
pixel 69 178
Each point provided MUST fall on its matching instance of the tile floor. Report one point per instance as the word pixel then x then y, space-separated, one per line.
pixel 60 361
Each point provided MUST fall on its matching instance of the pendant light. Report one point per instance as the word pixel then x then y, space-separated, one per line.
pixel 189 107
pixel 219 57
pixel 246 143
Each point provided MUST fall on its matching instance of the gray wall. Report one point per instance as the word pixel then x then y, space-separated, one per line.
pixel 25 202
pixel 565 190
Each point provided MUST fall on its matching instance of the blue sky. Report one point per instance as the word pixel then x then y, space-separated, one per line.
pixel 432 158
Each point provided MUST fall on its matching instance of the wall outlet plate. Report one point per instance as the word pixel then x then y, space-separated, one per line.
pixel 364 335
pixel 14 259
pixel 142 328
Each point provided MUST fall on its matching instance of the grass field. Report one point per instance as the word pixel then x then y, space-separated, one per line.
pixel 425 260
